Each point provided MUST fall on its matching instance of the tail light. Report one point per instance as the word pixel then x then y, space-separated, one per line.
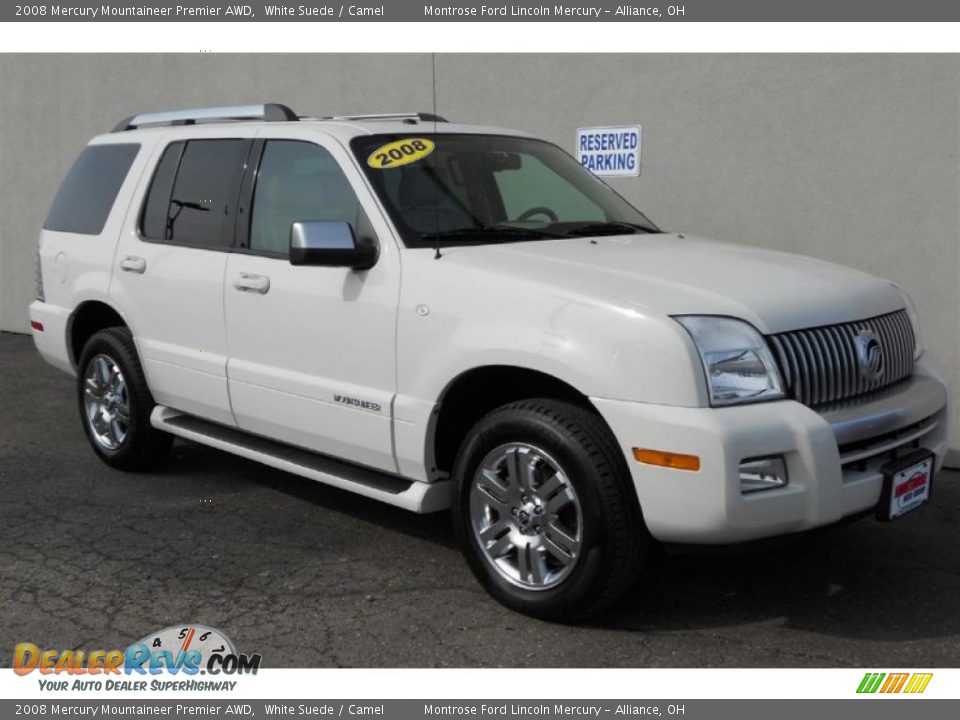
pixel 39 280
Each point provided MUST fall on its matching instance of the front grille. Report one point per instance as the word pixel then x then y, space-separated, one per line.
pixel 822 366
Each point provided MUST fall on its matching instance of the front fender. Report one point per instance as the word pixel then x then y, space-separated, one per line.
pixel 451 322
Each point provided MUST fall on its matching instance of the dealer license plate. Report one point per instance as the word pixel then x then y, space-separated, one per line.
pixel 907 484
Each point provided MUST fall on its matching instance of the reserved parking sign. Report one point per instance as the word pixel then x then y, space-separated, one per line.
pixel 610 151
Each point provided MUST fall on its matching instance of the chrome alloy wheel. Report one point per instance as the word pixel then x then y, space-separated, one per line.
pixel 526 516
pixel 106 403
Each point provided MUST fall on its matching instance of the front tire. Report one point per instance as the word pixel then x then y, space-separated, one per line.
pixel 115 403
pixel 546 512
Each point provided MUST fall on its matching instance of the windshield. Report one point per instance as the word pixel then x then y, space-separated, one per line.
pixel 443 189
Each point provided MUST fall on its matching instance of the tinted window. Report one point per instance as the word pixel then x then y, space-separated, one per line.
pixel 491 188
pixel 203 175
pixel 535 185
pixel 85 198
pixel 297 181
pixel 156 209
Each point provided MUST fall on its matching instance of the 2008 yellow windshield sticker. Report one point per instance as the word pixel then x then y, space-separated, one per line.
pixel 400 152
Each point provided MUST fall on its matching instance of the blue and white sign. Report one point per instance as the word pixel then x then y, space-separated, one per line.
pixel 610 151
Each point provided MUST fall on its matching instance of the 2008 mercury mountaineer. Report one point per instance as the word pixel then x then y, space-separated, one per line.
pixel 439 315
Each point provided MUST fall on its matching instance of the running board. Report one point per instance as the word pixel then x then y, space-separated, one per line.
pixel 413 495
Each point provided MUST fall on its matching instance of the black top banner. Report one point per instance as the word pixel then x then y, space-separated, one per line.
pixel 468 11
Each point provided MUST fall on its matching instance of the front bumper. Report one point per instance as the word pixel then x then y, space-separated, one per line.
pixel 833 458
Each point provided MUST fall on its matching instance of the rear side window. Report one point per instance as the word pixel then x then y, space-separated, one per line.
pixel 85 198
pixel 156 218
pixel 193 192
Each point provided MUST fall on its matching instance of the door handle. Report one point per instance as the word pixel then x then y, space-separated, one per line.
pixel 246 282
pixel 133 264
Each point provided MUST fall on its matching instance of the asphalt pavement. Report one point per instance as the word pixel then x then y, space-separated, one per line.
pixel 311 576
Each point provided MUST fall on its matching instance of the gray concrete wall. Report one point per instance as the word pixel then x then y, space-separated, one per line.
pixel 852 158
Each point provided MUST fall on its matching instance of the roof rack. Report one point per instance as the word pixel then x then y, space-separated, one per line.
pixel 271 112
pixel 425 117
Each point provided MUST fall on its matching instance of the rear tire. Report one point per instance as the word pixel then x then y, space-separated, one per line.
pixel 546 512
pixel 115 403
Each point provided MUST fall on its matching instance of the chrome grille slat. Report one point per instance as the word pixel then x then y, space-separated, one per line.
pixel 786 369
pixel 833 378
pixel 847 364
pixel 859 384
pixel 846 367
pixel 836 366
pixel 887 323
pixel 901 338
pixel 900 330
pixel 804 376
pixel 906 332
pixel 880 328
pixel 815 372
pixel 794 365
pixel 821 366
pixel 883 332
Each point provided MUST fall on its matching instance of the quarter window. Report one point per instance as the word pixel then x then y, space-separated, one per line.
pixel 297 181
pixel 85 198
pixel 193 192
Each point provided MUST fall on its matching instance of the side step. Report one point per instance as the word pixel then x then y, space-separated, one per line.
pixel 410 495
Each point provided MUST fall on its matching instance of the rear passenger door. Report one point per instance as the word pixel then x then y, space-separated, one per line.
pixel 169 269
pixel 312 353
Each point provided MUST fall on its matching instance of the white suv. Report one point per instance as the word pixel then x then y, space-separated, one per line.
pixel 446 316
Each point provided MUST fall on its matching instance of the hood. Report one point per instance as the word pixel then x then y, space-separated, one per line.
pixel 675 275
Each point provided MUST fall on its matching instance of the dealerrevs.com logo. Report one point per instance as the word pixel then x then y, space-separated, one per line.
pixel 179 650
pixel 898 682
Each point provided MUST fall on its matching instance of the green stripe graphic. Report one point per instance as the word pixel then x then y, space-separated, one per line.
pixel 871 682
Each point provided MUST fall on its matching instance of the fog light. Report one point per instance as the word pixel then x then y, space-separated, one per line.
pixel 761 474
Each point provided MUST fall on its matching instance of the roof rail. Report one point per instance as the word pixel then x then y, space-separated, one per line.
pixel 271 112
pixel 425 117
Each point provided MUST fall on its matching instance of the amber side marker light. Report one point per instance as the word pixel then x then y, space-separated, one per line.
pixel 676 461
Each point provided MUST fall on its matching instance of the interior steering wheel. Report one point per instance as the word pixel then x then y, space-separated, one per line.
pixel 539 210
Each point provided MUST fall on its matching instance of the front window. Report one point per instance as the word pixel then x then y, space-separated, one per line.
pixel 443 189
pixel 297 181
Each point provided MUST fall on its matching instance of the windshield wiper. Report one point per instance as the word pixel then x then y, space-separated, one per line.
pixel 613 227
pixel 492 232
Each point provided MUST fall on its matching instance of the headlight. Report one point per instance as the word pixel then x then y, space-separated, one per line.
pixel 736 360
pixel 914 321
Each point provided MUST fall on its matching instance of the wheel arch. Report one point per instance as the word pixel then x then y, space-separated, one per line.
pixel 475 392
pixel 89 317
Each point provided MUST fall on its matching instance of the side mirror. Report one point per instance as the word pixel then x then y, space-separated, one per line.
pixel 330 244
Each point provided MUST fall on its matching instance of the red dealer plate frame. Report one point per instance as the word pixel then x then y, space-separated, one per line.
pixel 907 485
